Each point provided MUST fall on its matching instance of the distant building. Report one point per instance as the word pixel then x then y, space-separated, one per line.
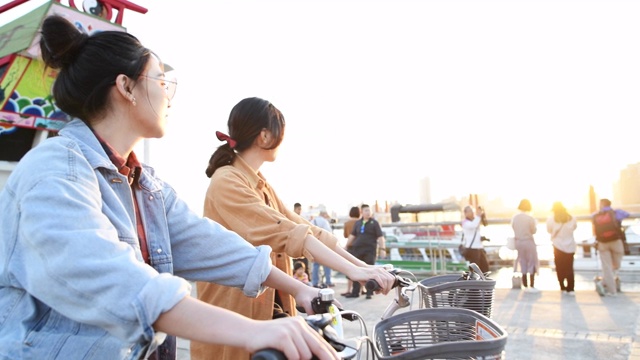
pixel 425 191
pixel 627 191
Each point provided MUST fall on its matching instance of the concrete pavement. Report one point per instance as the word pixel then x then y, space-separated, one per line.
pixel 550 325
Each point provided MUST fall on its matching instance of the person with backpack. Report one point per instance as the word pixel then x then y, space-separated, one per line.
pixel 608 232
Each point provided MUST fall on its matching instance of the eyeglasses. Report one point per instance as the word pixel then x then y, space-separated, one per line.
pixel 169 85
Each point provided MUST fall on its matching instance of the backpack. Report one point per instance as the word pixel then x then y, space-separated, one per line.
pixel 607 227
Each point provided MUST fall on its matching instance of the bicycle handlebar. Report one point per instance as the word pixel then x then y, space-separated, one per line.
pixel 268 354
pixel 323 317
pixel 321 322
pixel 474 273
pixel 372 285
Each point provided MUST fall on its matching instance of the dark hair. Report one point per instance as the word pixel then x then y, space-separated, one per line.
pixel 297 205
pixel 364 206
pixel 354 212
pixel 298 264
pixel 246 120
pixel 525 205
pixel 605 202
pixel 88 64
pixel 560 213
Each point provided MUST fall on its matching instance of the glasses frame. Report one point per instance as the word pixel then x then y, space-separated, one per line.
pixel 166 85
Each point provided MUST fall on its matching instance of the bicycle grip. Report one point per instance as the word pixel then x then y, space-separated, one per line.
pixel 371 285
pixel 317 306
pixel 268 354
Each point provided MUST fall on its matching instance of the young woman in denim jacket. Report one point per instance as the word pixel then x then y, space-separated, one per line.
pixel 94 247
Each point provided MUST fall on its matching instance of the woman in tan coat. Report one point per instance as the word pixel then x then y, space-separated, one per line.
pixel 240 198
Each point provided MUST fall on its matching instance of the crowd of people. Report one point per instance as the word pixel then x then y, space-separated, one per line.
pixel 609 243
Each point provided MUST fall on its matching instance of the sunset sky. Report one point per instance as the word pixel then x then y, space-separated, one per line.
pixel 514 99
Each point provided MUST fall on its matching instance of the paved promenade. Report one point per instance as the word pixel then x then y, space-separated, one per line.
pixel 546 325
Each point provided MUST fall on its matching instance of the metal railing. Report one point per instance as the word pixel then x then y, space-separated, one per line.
pixel 436 238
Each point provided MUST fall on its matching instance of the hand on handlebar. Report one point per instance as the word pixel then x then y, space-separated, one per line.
pixel 305 300
pixel 398 280
pixel 379 274
pixel 291 335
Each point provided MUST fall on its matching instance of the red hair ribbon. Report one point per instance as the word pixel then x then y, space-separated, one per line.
pixel 224 137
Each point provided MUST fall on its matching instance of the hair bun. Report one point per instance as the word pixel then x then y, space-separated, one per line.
pixel 60 42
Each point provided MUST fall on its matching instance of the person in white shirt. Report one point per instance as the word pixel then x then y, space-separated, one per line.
pixel 472 236
pixel 561 226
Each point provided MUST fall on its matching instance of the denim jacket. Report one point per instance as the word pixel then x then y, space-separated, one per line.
pixel 73 284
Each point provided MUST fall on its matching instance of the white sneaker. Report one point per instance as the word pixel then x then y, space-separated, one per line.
pixel 611 294
pixel 532 290
pixel 571 293
pixel 600 288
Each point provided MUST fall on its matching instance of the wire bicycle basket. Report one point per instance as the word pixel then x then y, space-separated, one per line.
pixel 439 333
pixel 454 291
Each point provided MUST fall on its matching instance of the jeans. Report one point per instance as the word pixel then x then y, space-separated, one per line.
pixel 315 274
pixel 564 269
pixel 368 257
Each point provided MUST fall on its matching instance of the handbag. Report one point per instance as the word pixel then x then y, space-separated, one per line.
pixel 516 277
pixel 511 243
pixel 463 249
pixel 516 281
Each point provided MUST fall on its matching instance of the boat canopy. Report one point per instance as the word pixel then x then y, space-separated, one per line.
pixel 398 209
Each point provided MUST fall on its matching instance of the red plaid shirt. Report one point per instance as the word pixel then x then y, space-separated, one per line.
pixel 131 168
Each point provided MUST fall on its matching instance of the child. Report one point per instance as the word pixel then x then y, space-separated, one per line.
pixel 300 272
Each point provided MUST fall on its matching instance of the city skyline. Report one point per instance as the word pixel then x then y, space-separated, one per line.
pixel 623 193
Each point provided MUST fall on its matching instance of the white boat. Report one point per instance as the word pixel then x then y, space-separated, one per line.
pixel 424 238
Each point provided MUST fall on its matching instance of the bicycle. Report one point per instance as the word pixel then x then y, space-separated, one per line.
pixel 439 330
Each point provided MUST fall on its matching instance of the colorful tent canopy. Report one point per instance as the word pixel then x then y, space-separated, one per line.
pixel 26 104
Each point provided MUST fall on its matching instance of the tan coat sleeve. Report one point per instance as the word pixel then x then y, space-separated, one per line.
pixel 232 201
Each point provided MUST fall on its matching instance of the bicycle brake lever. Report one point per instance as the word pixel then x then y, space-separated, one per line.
pixel 473 268
pixel 319 321
pixel 348 315
pixel 403 282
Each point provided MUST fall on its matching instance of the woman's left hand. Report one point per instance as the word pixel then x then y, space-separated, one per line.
pixel 377 273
